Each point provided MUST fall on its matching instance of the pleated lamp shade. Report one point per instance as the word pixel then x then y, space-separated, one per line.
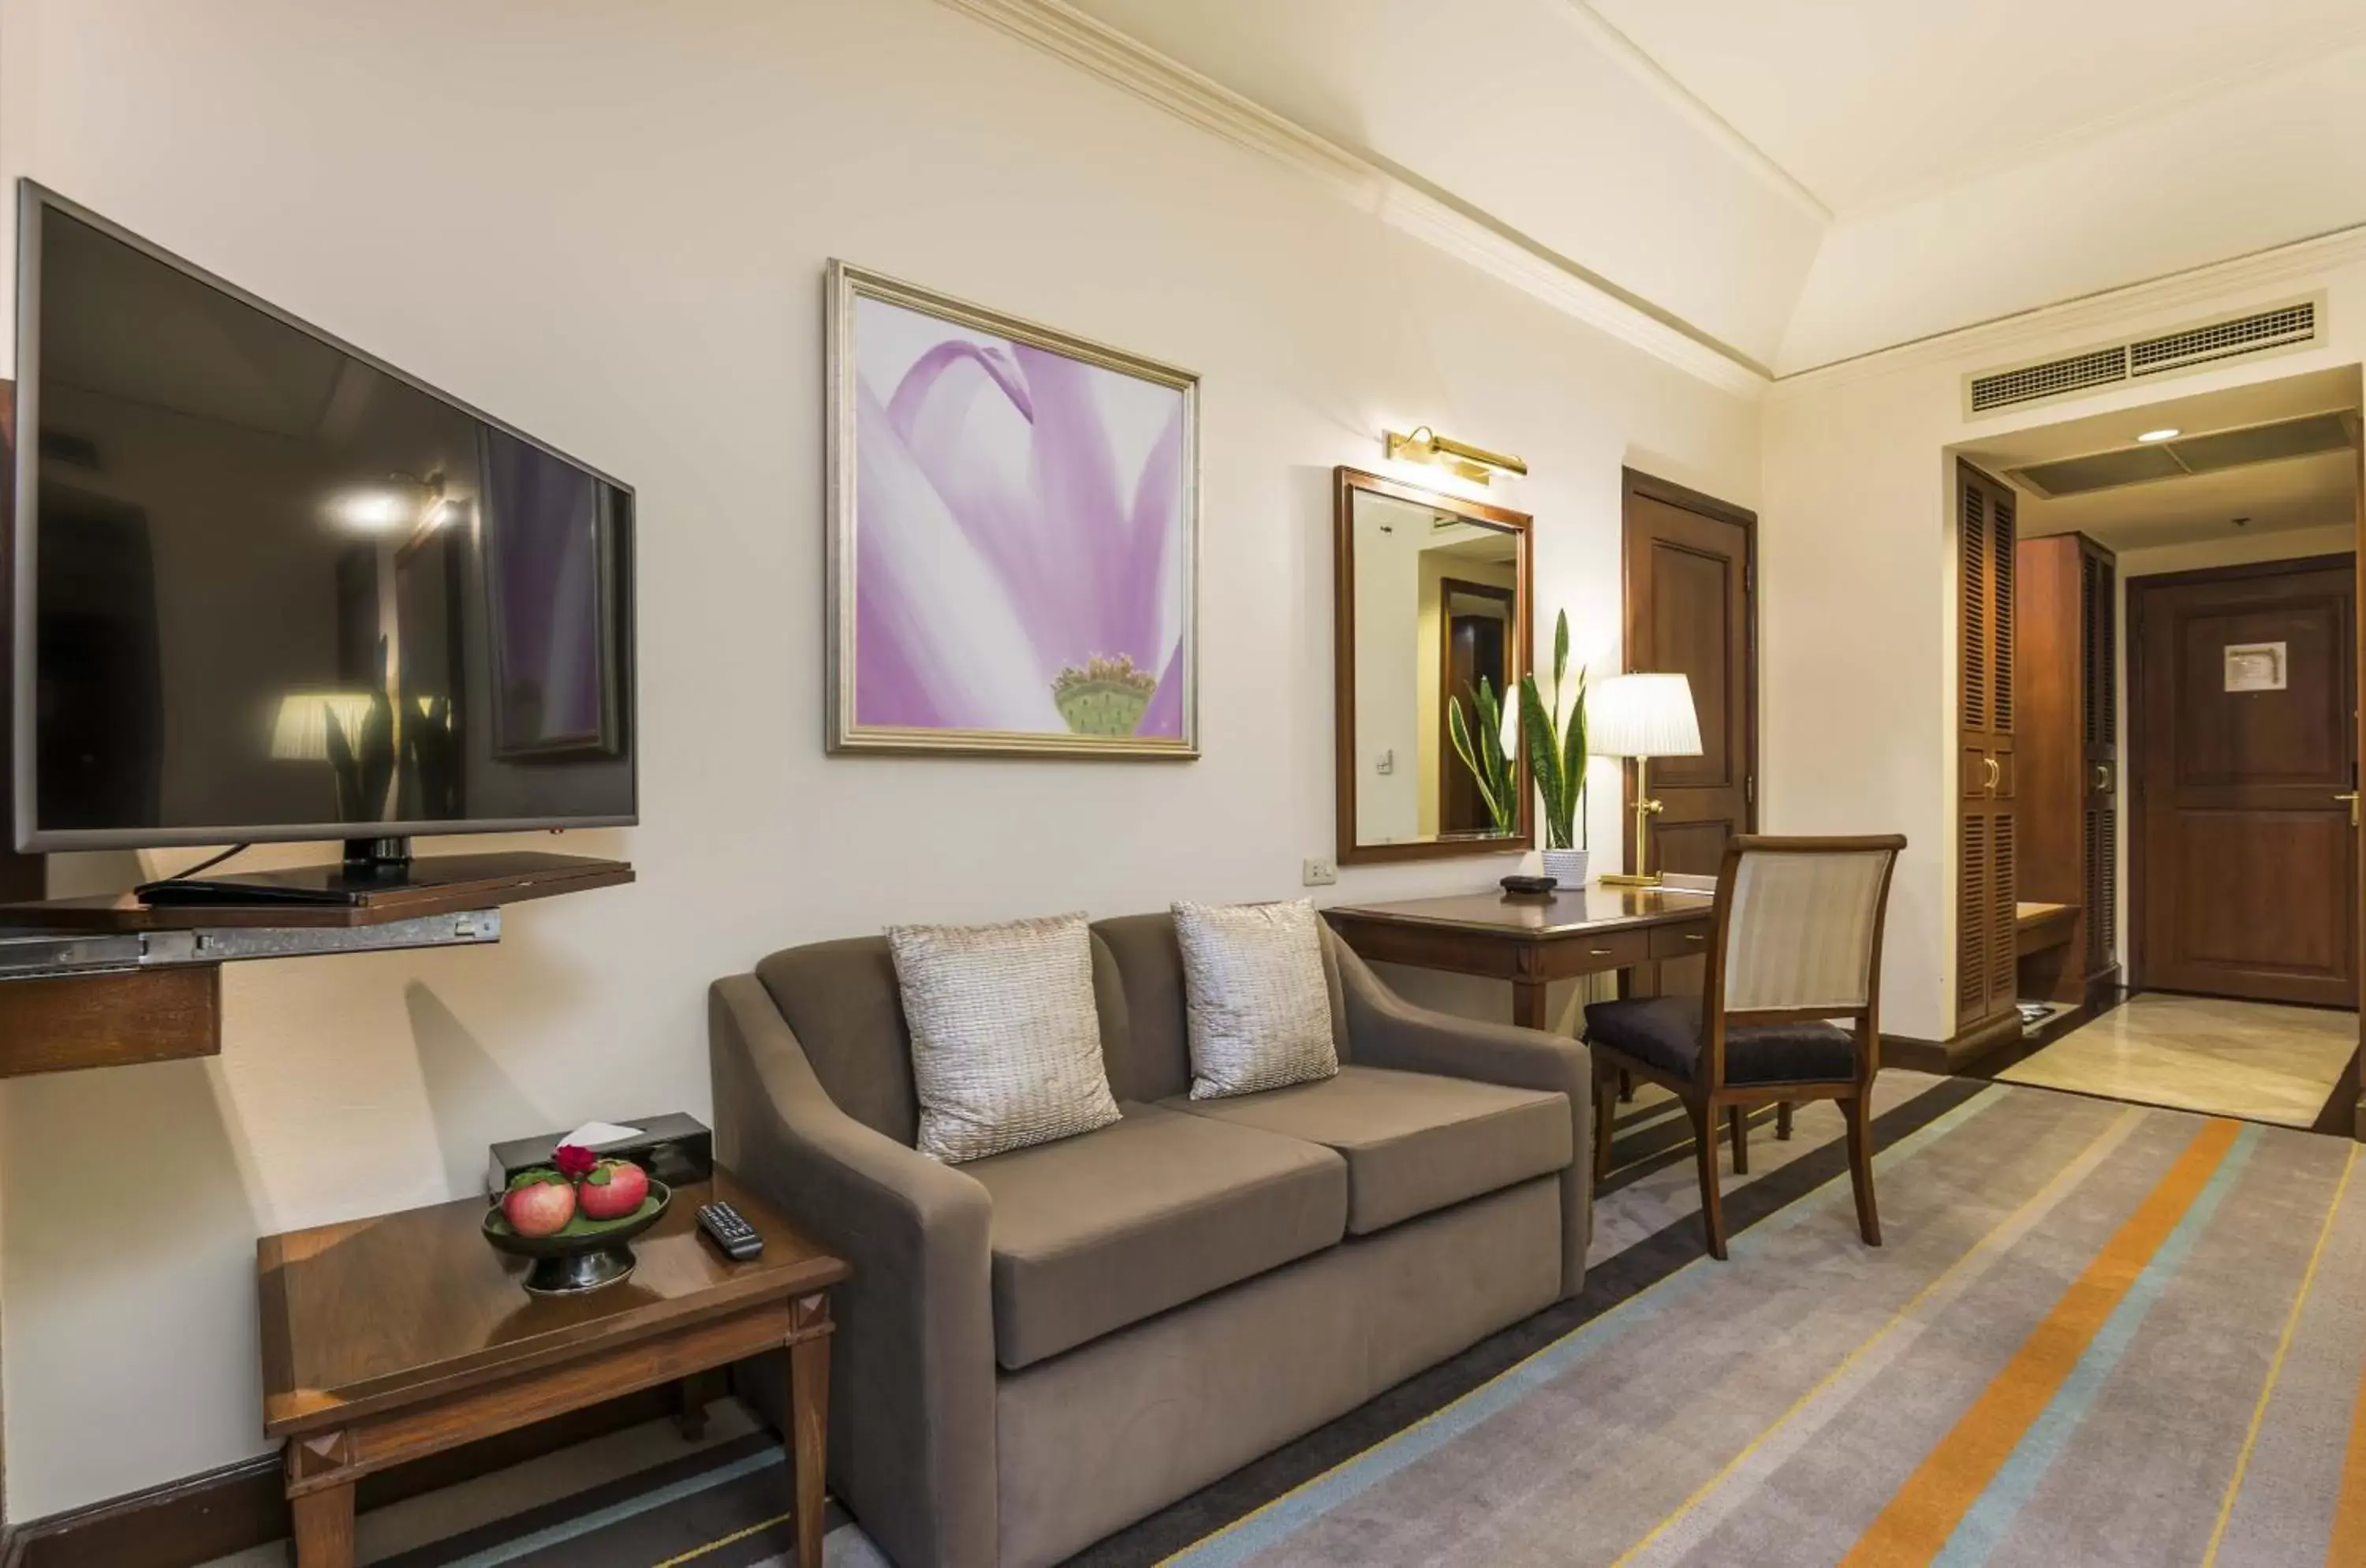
pixel 1642 715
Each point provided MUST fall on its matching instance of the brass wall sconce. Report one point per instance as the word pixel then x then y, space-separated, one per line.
pixel 1423 444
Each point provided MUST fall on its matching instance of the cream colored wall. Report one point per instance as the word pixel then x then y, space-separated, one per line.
pixel 1858 568
pixel 607 222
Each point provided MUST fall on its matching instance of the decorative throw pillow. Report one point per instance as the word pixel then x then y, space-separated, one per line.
pixel 1005 1037
pixel 1258 1007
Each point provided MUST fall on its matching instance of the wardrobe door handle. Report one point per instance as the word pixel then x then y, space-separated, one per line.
pixel 1996 774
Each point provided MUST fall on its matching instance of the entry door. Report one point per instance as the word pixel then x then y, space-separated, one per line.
pixel 2247 874
pixel 1690 608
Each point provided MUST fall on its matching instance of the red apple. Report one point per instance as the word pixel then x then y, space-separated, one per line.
pixel 614 1190
pixel 538 1203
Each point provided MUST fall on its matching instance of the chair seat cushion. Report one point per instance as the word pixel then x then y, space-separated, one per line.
pixel 1412 1142
pixel 1108 1227
pixel 1664 1033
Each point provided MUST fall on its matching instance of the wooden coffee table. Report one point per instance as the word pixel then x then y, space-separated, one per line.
pixel 389 1338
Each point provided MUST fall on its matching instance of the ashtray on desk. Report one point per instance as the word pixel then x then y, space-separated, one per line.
pixel 586 1254
pixel 1529 886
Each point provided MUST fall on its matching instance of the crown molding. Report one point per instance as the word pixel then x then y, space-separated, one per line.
pixel 2103 314
pixel 1061 31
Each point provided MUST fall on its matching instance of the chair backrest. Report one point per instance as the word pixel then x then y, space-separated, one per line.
pixel 1799 924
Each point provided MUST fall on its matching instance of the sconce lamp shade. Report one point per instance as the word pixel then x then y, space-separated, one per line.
pixel 300 733
pixel 1642 715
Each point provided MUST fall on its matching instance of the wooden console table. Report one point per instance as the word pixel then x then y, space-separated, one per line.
pixel 387 1340
pixel 1532 942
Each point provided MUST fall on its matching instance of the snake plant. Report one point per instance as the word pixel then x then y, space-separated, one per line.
pixel 1485 755
pixel 1557 757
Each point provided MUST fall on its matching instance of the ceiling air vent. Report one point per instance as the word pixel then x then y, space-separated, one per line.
pixel 2289 325
pixel 2278 328
pixel 2054 379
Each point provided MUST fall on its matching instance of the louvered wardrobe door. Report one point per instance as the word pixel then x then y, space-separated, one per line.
pixel 1987 869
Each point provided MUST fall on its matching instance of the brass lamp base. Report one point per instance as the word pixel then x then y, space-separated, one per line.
pixel 1620 879
pixel 1645 809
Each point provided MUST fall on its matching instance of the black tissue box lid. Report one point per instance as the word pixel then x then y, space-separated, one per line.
pixel 675 1148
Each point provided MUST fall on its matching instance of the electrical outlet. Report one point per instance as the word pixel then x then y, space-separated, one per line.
pixel 1320 871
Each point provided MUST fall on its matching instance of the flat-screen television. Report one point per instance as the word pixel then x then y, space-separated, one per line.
pixel 268 587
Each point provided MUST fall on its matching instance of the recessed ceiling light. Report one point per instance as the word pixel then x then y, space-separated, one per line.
pixel 2160 435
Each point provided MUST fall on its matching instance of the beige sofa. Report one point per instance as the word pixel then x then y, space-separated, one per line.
pixel 1041 1347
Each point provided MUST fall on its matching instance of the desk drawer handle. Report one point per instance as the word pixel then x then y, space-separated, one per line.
pixel 1597 952
pixel 1695 936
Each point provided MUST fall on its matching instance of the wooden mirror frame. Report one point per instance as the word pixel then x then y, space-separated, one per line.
pixel 1347 483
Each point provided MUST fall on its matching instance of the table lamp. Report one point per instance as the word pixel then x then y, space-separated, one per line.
pixel 1642 716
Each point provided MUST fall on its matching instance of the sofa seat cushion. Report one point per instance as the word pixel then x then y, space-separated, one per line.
pixel 1664 1033
pixel 1412 1142
pixel 1112 1226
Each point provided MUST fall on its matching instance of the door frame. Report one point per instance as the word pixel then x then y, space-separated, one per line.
pixel 2132 706
pixel 1633 483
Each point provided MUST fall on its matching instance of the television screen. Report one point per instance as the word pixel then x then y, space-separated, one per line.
pixel 270 587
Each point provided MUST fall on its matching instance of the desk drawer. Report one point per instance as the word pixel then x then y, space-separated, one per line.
pixel 1598 951
pixel 1680 941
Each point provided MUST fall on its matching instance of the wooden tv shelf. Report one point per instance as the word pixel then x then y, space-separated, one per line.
pixel 439 885
pixel 110 982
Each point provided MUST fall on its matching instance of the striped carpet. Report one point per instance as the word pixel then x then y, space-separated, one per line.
pixel 2100 1333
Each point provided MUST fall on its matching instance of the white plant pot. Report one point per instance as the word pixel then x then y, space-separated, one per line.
pixel 1566 867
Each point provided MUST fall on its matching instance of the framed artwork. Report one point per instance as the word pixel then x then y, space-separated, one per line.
pixel 1013 535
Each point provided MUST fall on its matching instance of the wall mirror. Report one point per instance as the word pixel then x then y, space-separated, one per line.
pixel 1431 597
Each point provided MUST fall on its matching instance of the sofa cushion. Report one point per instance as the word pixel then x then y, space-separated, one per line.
pixel 1664 1033
pixel 1412 1142
pixel 1108 1227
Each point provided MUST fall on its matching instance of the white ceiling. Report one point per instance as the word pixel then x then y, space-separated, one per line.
pixel 1870 102
pixel 1694 153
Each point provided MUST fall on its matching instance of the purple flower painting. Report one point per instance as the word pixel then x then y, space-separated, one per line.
pixel 1013 542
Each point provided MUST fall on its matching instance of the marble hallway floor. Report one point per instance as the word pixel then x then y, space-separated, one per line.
pixel 2252 1060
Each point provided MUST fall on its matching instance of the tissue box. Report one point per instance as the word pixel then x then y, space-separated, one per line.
pixel 673 1149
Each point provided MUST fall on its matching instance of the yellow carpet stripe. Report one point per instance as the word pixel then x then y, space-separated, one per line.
pixel 718 1544
pixel 2079 1167
pixel 2348 1546
pixel 2276 1365
pixel 1925 1511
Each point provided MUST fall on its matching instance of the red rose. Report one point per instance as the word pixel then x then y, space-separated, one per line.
pixel 574 1161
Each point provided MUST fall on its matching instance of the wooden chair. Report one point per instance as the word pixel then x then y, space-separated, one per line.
pixel 1796 947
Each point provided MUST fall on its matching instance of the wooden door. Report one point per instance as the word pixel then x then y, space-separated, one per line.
pixel 1691 608
pixel 1987 823
pixel 2246 873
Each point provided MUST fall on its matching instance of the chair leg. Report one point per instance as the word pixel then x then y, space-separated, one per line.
pixel 1605 1112
pixel 1737 1124
pixel 1703 1117
pixel 1626 1085
pixel 1860 1149
pixel 1783 1121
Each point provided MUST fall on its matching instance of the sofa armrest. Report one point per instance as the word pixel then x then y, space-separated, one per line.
pixel 1386 1031
pixel 912 1435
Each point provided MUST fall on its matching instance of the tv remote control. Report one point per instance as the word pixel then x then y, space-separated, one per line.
pixel 733 1233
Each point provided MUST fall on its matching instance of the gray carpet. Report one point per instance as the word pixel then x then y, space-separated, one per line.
pixel 2131 1335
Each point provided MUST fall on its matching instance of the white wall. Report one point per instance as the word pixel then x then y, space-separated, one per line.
pixel 1858 565
pixel 607 220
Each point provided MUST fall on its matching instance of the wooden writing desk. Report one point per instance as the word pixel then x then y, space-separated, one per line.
pixel 1532 942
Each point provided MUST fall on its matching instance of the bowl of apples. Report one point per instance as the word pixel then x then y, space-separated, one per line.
pixel 575 1220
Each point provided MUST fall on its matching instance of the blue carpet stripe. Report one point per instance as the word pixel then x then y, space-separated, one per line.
pixel 1984 1527
pixel 616 1512
pixel 1288 1515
